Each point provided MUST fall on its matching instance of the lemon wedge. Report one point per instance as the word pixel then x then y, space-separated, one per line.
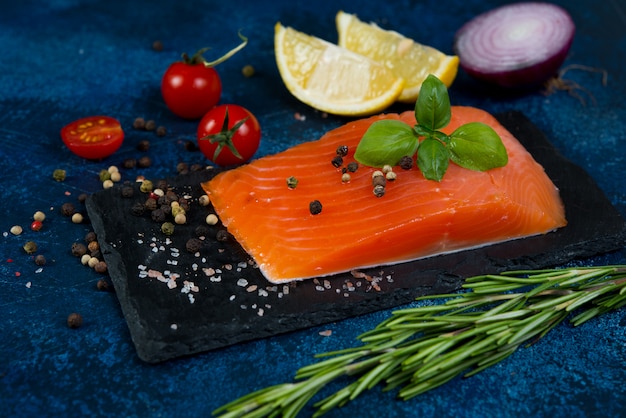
pixel 333 79
pixel 406 58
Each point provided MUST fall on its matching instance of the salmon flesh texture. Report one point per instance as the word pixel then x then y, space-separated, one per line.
pixel 415 218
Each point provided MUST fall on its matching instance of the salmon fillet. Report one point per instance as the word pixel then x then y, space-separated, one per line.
pixel 416 218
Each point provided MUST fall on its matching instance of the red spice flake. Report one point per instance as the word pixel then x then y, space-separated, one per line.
pixel 18 274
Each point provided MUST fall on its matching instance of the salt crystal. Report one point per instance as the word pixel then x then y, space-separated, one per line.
pixel 39 270
pixel 242 282
pixel 260 312
pixel 174 327
pixel 232 297
pixel 28 284
pixel 263 293
pixel 319 288
pixel 171 284
pixel 251 288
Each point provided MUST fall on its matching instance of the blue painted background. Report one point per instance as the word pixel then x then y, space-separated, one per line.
pixel 65 59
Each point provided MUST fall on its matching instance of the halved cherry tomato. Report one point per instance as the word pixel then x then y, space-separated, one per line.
pixel 93 137
pixel 229 135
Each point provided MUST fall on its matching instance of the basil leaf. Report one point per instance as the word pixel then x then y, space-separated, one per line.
pixel 477 146
pixel 433 159
pixel 386 142
pixel 432 108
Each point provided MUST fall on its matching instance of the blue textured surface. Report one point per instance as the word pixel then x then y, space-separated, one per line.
pixel 62 60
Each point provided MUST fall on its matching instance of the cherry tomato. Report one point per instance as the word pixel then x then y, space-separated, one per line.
pixel 229 135
pixel 93 137
pixel 190 88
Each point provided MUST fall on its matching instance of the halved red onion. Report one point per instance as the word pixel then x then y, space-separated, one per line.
pixel 516 45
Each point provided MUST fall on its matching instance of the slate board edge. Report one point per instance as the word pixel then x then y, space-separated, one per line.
pixel 157 351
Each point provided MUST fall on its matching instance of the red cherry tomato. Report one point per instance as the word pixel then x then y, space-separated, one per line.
pixel 190 89
pixel 93 137
pixel 229 135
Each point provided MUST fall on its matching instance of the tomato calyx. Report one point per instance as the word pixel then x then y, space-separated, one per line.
pixel 224 138
pixel 198 58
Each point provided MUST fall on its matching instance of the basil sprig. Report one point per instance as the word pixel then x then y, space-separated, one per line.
pixel 475 145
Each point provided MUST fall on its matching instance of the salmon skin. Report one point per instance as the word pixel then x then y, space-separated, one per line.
pixel 416 217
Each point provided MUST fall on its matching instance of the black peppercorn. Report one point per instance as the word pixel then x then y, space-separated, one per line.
pixel 182 168
pixel 127 191
pixel 129 163
pixel 379 181
pixel 150 125
pixel 406 162
pixel 342 150
pixel 161 131
pixel 137 209
pixel 74 320
pixel 82 197
pixel 100 267
pixel 337 161
pixel 196 167
pixel 103 285
pixel 221 235
pixel 40 260
pixel 143 145
pixel 190 146
pixel 184 203
pixel 90 236
pixel 353 166
pixel 202 231
pixel 139 123
pixel 68 209
pixel 194 245
pixel 158 215
pixel 150 204
pixel 315 207
pixel 144 162
pixel 79 249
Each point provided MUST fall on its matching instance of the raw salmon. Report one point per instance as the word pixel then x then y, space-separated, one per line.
pixel 415 218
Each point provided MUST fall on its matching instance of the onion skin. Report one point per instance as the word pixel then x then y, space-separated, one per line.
pixel 490 50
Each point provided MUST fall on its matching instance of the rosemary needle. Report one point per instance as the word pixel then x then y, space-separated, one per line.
pixel 418 349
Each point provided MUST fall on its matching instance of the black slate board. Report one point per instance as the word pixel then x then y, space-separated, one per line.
pixel 166 322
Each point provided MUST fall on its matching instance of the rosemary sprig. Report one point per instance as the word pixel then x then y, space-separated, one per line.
pixel 421 348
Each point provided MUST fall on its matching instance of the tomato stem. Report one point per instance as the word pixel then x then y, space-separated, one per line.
pixel 225 137
pixel 197 58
